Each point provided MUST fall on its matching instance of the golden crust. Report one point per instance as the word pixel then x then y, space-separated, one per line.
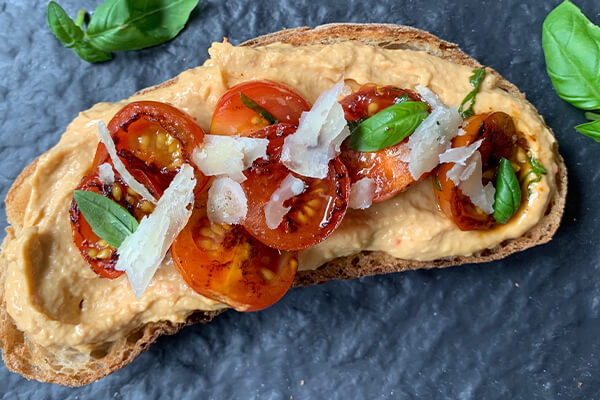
pixel 62 367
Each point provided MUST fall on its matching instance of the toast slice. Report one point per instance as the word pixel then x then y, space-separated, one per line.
pixel 36 362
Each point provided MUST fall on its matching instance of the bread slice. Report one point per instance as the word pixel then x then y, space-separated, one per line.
pixel 35 362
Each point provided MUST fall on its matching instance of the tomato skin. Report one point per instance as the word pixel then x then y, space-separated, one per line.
pixel 226 264
pixel 232 117
pixel 357 105
pixel 83 236
pixel 314 214
pixel 135 119
pixel 384 167
pixel 498 132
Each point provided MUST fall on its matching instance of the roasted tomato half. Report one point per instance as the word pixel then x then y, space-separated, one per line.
pixel 500 139
pixel 225 263
pixel 385 167
pixel 313 215
pixel 153 140
pixel 100 255
pixel 231 116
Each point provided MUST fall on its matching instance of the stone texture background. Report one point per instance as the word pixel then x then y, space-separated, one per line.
pixel 460 333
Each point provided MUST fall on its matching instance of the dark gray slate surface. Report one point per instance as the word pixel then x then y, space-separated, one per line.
pixel 459 333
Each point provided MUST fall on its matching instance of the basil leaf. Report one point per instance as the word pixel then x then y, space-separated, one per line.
pixel 89 53
pixel 508 193
pixel 119 25
pixel 592 116
pixel 436 182
pixel 572 49
pixel 590 129
pixel 537 170
pixel 62 25
pixel 107 218
pixel 251 104
pixel 388 127
pixel 475 80
pixel 353 124
pixel 537 167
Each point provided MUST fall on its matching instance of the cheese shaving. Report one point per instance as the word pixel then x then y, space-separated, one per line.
pixel 433 136
pixel 468 177
pixel 228 155
pixel 129 180
pixel 227 202
pixel 141 253
pixel 361 193
pixel 106 174
pixel 274 209
pixel 317 140
pixel 460 155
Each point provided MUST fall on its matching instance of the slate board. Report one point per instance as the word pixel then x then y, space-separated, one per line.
pixel 525 327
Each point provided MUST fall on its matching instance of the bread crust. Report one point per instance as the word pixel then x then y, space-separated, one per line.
pixel 35 362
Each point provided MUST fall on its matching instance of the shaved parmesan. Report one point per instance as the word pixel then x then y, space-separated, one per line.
pixel 433 136
pixel 227 202
pixel 228 155
pixel 468 177
pixel 460 154
pixel 106 174
pixel 129 180
pixel 274 209
pixel 141 253
pixel 317 140
pixel 472 186
pixel 361 193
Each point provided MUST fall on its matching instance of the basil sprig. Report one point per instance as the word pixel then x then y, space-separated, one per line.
pixel 120 25
pixel 535 173
pixel 475 80
pixel 107 218
pixel 571 45
pixel 388 127
pixel 508 193
pixel 251 104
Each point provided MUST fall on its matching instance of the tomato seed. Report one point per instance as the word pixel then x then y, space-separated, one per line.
pixel 105 253
pixel 92 253
pixel 116 192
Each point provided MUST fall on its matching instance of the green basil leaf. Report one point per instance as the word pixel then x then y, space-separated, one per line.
pixel 508 193
pixel 537 167
pixel 436 182
pixel 537 170
pixel 79 21
pixel 388 127
pixel 89 53
pixel 475 80
pixel 251 104
pixel 62 25
pixel 590 129
pixel 572 49
pixel 353 124
pixel 119 25
pixel 107 218
pixel 592 116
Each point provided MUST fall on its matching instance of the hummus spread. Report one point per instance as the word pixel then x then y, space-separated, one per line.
pixel 57 300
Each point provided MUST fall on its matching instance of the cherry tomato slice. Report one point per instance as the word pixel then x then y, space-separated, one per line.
pixel 370 99
pixel 385 167
pixel 153 140
pixel 313 215
pixel 226 264
pixel 499 140
pixel 232 117
pixel 100 255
